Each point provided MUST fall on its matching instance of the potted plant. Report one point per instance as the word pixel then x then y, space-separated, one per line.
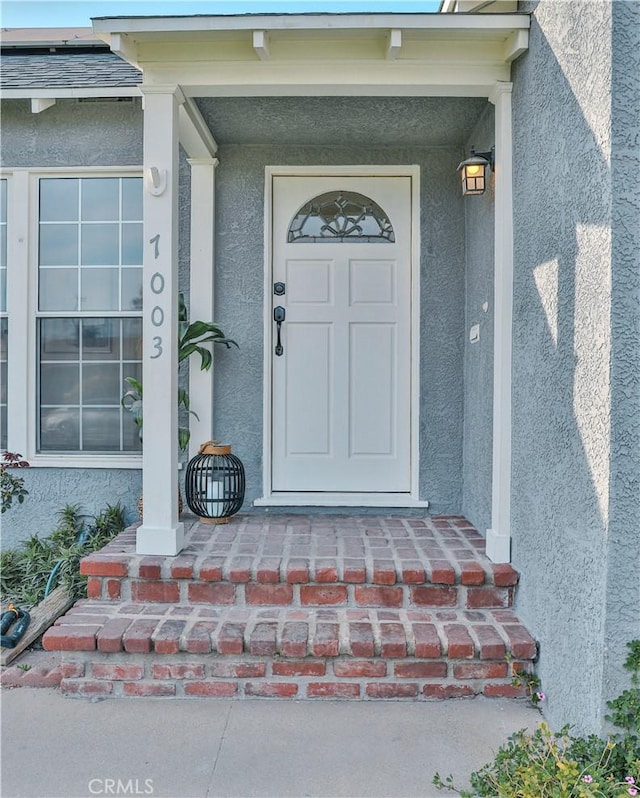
pixel 191 339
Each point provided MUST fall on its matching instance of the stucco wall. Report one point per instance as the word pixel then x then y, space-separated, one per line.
pixel 70 134
pixel 562 348
pixel 477 454
pixel 50 489
pixel 623 566
pixel 239 308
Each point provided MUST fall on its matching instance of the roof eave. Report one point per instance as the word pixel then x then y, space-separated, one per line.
pixel 104 26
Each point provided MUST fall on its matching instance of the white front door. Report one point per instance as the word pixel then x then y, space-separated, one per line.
pixel 341 381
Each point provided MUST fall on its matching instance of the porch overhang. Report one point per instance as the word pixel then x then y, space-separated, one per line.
pixel 454 55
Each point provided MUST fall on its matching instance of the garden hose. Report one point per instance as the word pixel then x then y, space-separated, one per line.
pixel 82 537
pixel 21 619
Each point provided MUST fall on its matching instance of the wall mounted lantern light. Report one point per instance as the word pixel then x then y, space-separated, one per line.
pixel 475 172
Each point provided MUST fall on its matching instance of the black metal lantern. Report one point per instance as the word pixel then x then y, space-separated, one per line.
pixel 214 483
pixel 475 172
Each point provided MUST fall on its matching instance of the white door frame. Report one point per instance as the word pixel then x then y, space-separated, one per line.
pixel 410 499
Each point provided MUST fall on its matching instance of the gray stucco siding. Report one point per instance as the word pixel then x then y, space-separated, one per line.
pixel 477 454
pixel 623 571
pixel 50 489
pixel 566 541
pixel 71 133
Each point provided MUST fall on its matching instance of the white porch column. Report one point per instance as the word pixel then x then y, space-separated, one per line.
pixel 499 535
pixel 201 302
pixel 160 532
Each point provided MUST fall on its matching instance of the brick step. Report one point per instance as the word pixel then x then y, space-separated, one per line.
pixel 167 650
pixel 352 562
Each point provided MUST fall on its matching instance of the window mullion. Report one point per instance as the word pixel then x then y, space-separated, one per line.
pixel 21 341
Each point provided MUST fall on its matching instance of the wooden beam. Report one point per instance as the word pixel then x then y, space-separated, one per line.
pixel 39 104
pixel 194 134
pixel 515 45
pixel 42 616
pixel 394 44
pixel 122 45
pixel 261 44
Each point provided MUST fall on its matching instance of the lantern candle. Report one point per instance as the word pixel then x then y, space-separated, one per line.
pixel 215 497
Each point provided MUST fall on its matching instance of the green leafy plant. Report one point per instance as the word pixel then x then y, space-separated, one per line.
pixel 544 764
pixel 11 486
pixel 531 682
pixel 26 573
pixel 192 340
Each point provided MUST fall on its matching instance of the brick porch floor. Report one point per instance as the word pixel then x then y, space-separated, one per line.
pixel 298 605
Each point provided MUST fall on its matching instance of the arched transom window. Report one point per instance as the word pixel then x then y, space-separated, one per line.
pixel 341 216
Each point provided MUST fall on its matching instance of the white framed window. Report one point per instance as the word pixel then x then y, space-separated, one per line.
pixel 74 315
pixel 89 306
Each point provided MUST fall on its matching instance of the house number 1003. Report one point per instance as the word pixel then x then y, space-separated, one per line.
pixel 157 285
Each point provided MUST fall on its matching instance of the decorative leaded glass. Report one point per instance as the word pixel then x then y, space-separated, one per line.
pixel 341 216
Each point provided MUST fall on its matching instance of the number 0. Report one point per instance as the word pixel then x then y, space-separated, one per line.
pixel 157 283
pixel 157 316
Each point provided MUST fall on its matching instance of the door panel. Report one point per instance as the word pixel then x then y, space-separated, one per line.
pixel 341 391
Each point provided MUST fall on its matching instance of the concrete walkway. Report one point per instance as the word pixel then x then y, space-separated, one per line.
pixel 56 747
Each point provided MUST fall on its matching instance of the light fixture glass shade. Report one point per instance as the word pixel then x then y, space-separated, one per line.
pixel 474 175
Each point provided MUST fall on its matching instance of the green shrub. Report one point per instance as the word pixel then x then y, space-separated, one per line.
pixel 544 764
pixel 26 572
pixel 11 487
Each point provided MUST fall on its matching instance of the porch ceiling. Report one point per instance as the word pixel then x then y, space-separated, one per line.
pixel 350 121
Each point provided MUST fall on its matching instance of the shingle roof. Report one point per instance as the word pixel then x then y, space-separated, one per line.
pixel 66 70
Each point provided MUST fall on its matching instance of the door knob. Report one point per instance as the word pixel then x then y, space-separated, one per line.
pixel 279 315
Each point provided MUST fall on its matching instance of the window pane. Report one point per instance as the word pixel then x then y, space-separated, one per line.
pixel 59 199
pixel 3 338
pixel 130 370
pixel 131 434
pixel 132 198
pixel 99 289
pixel 59 339
pixel 59 384
pixel 3 383
pixel 100 339
pixel 132 244
pixel 341 216
pixel 100 245
pixel 132 339
pixel 60 429
pixel 58 245
pixel 58 289
pixel 101 384
pixel 3 242
pixel 100 199
pixel 3 245
pixel 132 289
pixel 101 430
pixel 91 418
pixel 3 428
